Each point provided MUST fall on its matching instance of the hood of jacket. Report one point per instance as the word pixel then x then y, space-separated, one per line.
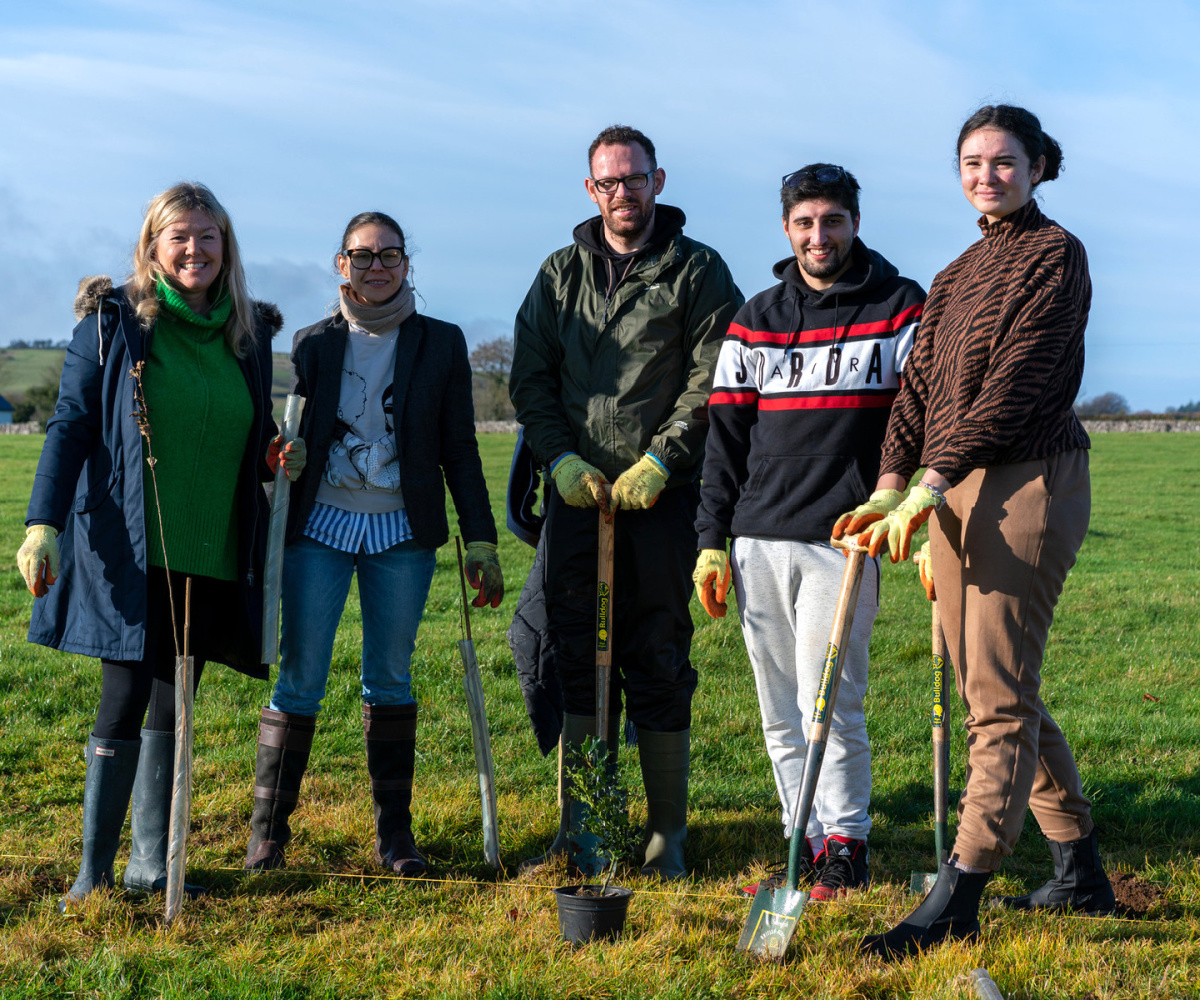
pixel 868 269
pixel 668 223
pixel 95 289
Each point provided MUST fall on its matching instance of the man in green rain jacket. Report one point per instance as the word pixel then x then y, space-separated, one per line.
pixel 612 368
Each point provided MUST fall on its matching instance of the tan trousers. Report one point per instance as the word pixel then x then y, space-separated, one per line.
pixel 1002 546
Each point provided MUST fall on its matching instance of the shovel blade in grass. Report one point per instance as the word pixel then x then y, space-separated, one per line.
pixel 773 916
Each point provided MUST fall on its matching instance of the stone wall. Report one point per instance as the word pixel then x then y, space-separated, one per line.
pixel 1117 426
pixel 30 428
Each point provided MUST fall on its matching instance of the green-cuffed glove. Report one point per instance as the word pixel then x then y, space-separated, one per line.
pixel 37 558
pixel 878 506
pixel 294 457
pixel 925 571
pixel 482 567
pixel 898 528
pixel 711 577
pixel 638 487
pixel 579 484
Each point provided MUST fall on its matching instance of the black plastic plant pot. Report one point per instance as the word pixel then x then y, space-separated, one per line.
pixel 583 917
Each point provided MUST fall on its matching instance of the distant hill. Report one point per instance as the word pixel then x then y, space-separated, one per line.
pixel 22 368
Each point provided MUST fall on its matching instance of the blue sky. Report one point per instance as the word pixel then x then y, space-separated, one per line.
pixel 469 122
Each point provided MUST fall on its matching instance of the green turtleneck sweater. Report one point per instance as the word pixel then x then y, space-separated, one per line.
pixel 200 417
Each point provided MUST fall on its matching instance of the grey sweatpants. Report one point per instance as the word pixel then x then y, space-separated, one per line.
pixel 787 593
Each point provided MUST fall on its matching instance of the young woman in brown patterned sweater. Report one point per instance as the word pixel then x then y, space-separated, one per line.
pixel 986 407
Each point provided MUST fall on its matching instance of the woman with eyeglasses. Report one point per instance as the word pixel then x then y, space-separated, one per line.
pixel 986 408
pixel 388 415
pixel 151 477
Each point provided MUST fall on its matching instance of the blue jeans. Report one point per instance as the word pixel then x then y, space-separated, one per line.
pixel 392 589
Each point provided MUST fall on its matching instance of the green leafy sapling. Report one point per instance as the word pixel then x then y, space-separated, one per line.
pixel 605 803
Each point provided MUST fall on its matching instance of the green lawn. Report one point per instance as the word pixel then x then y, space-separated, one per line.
pixel 1120 676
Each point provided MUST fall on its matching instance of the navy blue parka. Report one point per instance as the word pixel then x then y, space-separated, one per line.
pixel 89 485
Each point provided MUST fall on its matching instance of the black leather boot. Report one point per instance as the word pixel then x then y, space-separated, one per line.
pixel 950 910
pixel 391 736
pixel 111 766
pixel 150 816
pixel 1079 884
pixel 284 744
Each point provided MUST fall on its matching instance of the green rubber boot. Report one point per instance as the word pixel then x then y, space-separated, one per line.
pixel 111 766
pixel 665 761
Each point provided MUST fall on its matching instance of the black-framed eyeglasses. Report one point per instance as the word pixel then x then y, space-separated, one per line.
pixel 823 175
pixel 361 258
pixel 634 182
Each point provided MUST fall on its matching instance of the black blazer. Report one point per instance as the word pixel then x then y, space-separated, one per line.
pixel 434 422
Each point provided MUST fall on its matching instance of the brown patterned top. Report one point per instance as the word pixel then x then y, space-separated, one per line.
pixel 998 357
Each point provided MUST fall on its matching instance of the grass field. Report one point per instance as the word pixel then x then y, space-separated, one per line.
pixel 1121 678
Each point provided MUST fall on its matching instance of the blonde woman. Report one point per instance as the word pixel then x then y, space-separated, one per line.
pixel 103 532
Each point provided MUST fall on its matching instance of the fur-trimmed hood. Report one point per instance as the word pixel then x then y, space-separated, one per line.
pixel 93 290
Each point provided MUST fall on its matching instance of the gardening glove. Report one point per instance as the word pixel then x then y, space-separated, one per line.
pixel 925 571
pixel 294 457
pixel 482 567
pixel 902 523
pixel 579 484
pixel 878 506
pixel 711 577
pixel 638 487
pixel 37 558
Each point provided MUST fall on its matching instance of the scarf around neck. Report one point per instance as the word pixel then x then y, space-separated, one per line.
pixel 378 319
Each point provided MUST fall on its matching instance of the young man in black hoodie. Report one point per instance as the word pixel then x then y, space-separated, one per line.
pixel 801 396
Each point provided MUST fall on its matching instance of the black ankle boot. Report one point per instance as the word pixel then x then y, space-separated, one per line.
pixel 951 910
pixel 1079 884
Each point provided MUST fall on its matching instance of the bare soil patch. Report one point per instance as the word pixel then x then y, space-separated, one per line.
pixel 1134 896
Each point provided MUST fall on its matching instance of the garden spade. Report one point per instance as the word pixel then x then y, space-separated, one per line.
pixel 604 609
pixel 277 528
pixel 479 727
pixel 181 790
pixel 774 912
pixel 921 882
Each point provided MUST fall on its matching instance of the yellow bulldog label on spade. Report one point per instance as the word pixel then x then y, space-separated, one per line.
pixel 939 690
pixel 831 656
pixel 602 602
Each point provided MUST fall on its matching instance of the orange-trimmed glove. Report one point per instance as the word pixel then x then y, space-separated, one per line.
pixel 925 571
pixel 711 577
pixel 638 487
pixel 878 506
pixel 294 457
pixel 898 528
pixel 37 558
pixel 579 484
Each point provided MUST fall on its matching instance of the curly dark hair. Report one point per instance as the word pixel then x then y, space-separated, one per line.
pixel 622 135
